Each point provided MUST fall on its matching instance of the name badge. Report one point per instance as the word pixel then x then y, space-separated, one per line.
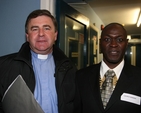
pixel 131 98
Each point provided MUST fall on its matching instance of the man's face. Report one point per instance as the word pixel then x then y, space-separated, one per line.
pixel 113 44
pixel 41 34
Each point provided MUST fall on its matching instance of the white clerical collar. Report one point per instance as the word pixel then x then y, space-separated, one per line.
pixel 39 56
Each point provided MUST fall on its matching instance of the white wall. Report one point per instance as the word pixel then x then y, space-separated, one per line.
pixel 49 5
pixel 12 19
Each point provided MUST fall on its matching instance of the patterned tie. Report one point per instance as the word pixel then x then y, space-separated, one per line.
pixel 107 87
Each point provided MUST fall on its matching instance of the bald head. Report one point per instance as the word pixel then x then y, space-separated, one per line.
pixel 112 25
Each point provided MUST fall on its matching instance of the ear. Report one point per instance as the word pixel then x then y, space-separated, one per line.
pixel 127 42
pixel 100 46
pixel 56 33
pixel 27 37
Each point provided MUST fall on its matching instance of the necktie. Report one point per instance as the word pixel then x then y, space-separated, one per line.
pixel 107 87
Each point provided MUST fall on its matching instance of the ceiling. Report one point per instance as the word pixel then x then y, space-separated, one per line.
pixel 122 11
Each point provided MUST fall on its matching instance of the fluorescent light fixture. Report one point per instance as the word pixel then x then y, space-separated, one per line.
pixel 139 20
pixel 75 27
pixel 129 37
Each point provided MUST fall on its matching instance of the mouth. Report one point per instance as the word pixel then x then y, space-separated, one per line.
pixel 113 52
pixel 41 41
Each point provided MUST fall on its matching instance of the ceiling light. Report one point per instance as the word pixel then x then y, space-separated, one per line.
pixel 129 37
pixel 139 20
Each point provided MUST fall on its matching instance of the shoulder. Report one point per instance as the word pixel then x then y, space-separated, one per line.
pixel 7 58
pixel 84 75
pixel 132 71
pixel 58 54
pixel 129 67
pixel 90 69
pixel 60 58
pixel 6 63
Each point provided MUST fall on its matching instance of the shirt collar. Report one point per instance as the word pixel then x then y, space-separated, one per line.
pixel 40 56
pixel 117 69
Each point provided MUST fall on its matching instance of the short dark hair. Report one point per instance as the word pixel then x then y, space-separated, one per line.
pixel 40 12
pixel 114 23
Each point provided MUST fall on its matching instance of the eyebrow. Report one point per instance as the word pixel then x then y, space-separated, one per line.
pixel 43 26
pixel 34 27
pixel 47 26
pixel 116 35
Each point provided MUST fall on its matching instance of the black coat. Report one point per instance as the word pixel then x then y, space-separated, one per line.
pixel 88 98
pixel 20 64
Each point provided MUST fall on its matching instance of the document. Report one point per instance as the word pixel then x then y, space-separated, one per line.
pixel 19 99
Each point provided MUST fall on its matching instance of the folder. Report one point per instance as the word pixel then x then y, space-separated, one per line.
pixel 19 99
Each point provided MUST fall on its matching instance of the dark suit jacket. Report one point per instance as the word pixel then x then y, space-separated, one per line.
pixel 88 98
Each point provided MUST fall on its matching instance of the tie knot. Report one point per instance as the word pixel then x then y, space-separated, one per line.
pixel 110 73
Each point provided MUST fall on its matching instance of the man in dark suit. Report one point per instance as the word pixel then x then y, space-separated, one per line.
pixel 126 87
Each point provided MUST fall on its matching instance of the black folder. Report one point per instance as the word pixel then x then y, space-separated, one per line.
pixel 19 99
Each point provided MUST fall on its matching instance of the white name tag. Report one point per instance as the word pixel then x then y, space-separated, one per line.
pixel 131 98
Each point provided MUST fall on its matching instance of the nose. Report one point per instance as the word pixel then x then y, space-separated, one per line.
pixel 113 43
pixel 41 32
